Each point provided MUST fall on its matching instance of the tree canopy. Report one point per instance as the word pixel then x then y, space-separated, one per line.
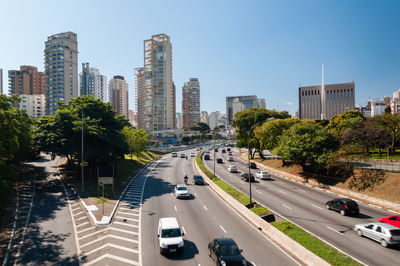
pixel 349 119
pixel 137 139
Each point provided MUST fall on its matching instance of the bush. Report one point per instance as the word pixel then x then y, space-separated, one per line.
pixel 366 178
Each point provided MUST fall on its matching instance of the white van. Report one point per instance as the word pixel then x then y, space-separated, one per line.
pixel 170 236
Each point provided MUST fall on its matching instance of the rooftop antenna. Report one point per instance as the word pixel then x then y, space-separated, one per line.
pixel 323 101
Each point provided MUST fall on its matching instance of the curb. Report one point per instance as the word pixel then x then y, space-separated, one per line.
pixel 301 253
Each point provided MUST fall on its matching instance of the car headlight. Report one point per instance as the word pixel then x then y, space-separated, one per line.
pixel 163 245
pixel 244 262
pixel 223 263
pixel 180 245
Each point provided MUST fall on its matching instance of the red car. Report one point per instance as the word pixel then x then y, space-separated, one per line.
pixel 392 220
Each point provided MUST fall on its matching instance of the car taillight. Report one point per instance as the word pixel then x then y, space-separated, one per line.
pixel 345 206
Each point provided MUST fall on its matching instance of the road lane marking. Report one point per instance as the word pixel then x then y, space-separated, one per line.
pixel 183 229
pixel 123 231
pixel 84 230
pixel 283 192
pixel 175 208
pixel 109 245
pixel 109 236
pixel 242 182
pixel 127 213
pixel 195 194
pixel 126 224
pixel 286 206
pixel 92 234
pixel 82 224
pixel 205 207
pixel 258 192
pixel 302 190
pixel 80 218
pixel 223 229
pixel 315 206
pixel 252 262
pixel 334 230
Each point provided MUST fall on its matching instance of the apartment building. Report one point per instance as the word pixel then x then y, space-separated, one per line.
pixel 118 95
pixel 93 83
pixel 235 104
pixel 191 102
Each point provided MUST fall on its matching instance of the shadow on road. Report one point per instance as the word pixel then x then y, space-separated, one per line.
pixel 189 252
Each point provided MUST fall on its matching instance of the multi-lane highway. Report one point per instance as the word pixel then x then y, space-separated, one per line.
pixel 305 206
pixel 203 217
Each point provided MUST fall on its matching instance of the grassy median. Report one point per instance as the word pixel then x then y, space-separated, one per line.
pixel 305 239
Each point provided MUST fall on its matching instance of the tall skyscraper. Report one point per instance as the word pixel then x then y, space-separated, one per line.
pixel 1 81
pixel 159 109
pixel 241 103
pixel 118 92
pixel 213 119
pixel 191 102
pixel 28 80
pixel 141 98
pixel 61 69
pixel 261 103
pixel 93 83
pixel 204 117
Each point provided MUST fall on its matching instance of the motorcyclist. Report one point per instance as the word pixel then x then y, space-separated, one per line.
pixel 186 179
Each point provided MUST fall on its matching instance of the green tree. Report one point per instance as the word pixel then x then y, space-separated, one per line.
pixel 307 143
pixel 349 119
pixel 246 120
pixel 137 139
pixel 388 110
pixel 269 133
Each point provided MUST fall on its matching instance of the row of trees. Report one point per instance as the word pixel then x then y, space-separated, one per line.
pixel 316 143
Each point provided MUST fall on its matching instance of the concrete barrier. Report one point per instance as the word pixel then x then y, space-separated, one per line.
pixel 302 254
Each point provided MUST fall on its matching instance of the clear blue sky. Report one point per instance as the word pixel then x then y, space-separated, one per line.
pixel 266 48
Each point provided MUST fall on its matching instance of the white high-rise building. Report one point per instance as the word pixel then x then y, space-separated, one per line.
pixel 204 117
pixel 213 119
pixel 118 95
pixel 34 104
pixel 93 83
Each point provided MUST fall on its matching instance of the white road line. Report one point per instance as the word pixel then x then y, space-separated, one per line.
pixel 123 231
pixel 286 206
pixel 195 194
pixel 334 230
pixel 129 225
pixel 258 192
pixel 92 234
pixel 315 206
pixel 223 229
pixel 242 182
pixel 128 213
pixel 84 230
pixel 175 208
pixel 204 206
pixel 110 245
pixel 252 262
pixel 82 224
pixel 109 236
pixel 183 229
pixel 76 214
pixel 80 218
pixel 283 192
pixel 131 262
pixel 129 209
pixel 302 190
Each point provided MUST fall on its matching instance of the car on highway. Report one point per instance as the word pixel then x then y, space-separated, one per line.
pixel 181 191
pixel 219 160
pixel 170 236
pixel 344 206
pixel 230 158
pixel 392 220
pixel 228 149
pixel 232 168
pixel 263 175
pixel 198 180
pixel 174 154
pixel 245 177
pixel 230 153
pixel 216 150
pixel 192 154
pixel 251 165
pixel 385 234
pixel 223 151
pixel 225 251
pixel 206 157
pixel 183 155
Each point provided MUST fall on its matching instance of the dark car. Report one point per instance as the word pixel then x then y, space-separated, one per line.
pixel 228 149
pixel 344 206
pixel 252 165
pixel 224 251
pixel 223 151
pixel 216 150
pixel 219 160
pixel 207 157
pixel 198 180
pixel 245 177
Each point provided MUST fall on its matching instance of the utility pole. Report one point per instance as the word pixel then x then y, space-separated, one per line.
pixel 82 169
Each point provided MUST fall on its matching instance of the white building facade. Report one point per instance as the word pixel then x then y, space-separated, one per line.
pixel 34 104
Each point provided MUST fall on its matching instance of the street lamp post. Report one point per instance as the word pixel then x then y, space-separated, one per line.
pixel 248 165
pixel 82 169
pixel 214 154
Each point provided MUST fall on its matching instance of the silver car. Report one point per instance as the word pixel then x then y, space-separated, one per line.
pixel 263 175
pixel 385 234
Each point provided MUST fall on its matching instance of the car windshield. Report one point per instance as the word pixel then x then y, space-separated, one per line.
pixel 229 250
pixel 182 188
pixel 171 232
pixel 395 232
pixel 351 203
pixel 264 173
pixel 197 177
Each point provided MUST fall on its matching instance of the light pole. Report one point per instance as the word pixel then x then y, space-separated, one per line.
pixel 248 165
pixel 82 169
pixel 214 154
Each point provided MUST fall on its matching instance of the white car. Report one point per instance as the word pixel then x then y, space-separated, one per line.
pixel 230 153
pixel 385 234
pixel 174 154
pixel 263 175
pixel 232 168
pixel 192 154
pixel 181 191
pixel 230 159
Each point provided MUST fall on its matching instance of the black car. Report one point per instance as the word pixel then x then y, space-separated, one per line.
pixel 207 157
pixel 344 206
pixel 245 177
pixel 228 149
pixel 198 180
pixel 219 160
pixel 216 150
pixel 224 251
pixel 223 151
pixel 252 165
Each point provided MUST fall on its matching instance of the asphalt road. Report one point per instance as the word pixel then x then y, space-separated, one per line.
pixel 204 217
pixel 305 206
pixel 49 236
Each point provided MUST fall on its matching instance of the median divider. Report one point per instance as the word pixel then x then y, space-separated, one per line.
pixel 302 254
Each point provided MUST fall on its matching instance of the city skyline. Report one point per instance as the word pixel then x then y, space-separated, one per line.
pixel 268 49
